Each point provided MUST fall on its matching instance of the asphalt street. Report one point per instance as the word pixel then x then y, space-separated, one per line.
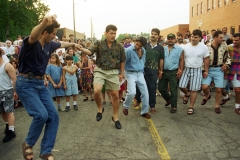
pixel 204 135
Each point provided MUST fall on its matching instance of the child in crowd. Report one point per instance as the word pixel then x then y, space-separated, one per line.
pixel 70 82
pixel 15 66
pixel 54 75
pixel 86 75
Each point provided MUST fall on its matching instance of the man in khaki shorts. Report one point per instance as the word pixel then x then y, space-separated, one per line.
pixel 110 69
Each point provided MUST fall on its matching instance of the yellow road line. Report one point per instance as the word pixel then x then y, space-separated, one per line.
pixel 162 151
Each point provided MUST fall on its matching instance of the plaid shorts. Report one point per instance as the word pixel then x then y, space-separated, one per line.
pixel 7 103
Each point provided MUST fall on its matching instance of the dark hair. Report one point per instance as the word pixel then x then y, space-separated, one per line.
pixel 156 30
pixel 236 35
pixel 217 33
pixel 111 27
pixel 213 30
pixel 57 59
pixel 70 35
pixel 50 29
pixel 224 28
pixel 68 57
pixel 197 32
pixel 14 62
pixel 142 40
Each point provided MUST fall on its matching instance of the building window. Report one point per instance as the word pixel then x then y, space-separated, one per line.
pixel 198 9
pixel 213 4
pixel 232 30
pixel 226 2
pixel 208 5
pixel 192 11
pixel 233 0
pixel 202 7
pixel 219 3
pixel 239 28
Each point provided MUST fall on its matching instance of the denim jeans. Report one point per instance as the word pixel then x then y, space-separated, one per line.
pixel 133 79
pixel 38 103
pixel 151 80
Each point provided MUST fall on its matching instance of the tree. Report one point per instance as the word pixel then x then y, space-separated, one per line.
pixel 19 17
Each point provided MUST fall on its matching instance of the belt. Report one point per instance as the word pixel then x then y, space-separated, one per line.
pixel 31 76
pixel 215 66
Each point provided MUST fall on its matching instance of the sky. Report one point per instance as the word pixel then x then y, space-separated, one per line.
pixel 130 16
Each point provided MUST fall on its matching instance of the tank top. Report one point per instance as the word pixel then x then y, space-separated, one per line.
pixel 6 82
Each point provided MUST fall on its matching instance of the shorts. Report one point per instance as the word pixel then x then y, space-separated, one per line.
pixel 195 77
pixel 216 75
pixel 72 87
pixel 7 103
pixel 108 77
pixel 235 82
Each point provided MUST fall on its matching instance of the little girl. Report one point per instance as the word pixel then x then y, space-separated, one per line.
pixel 86 75
pixel 54 75
pixel 70 82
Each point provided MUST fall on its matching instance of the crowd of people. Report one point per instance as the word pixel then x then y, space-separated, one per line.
pixel 42 68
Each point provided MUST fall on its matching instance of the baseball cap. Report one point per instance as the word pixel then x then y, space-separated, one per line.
pixel 171 35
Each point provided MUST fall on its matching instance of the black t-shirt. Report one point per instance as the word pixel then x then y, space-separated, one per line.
pixel 34 58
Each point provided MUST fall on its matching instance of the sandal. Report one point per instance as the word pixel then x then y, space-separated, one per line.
pixel 47 156
pixel 186 101
pixel 167 104
pixel 27 151
pixel 190 111
pixel 173 110
pixel 85 99
pixel 204 101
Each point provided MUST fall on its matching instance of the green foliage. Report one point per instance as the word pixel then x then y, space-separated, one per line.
pixel 18 17
pixel 126 35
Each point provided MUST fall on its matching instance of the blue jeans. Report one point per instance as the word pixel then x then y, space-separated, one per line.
pixel 38 103
pixel 133 79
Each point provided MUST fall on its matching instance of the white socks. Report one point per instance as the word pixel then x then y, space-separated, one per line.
pixel 11 128
pixel 67 103
pixel 74 102
pixel 237 106
pixel 226 97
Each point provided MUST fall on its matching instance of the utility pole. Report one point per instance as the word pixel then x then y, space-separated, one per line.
pixel 74 22
pixel 91 29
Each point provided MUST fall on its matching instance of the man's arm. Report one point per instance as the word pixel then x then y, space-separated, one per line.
pixel 37 30
pixel 12 74
pixel 206 66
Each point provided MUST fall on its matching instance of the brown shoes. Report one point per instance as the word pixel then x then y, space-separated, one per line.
pixel 125 111
pixel 146 115
pixel 223 101
pixel 204 101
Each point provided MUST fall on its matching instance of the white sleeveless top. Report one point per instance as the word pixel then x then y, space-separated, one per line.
pixel 5 80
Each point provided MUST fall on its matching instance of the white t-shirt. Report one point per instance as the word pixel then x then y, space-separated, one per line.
pixel 194 55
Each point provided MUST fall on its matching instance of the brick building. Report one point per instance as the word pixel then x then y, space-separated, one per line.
pixel 182 28
pixel 214 14
pixel 66 32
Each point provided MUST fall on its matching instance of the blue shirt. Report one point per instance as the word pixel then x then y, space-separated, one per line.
pixel 133 61
pixel 171 59
pixel 34 57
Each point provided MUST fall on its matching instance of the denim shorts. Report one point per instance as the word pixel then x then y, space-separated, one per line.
pixel 216 75
pixel 235 82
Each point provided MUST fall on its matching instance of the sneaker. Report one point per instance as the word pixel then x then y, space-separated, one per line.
pixel 9 136
pixel 75 107
pixel 6 129
pixel 61 109
pixel 67 108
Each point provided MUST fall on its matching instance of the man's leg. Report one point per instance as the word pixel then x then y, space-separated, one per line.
pixel 152 86
pixel 218 97
pixel 173 89
pixel 52 122
pixel 97 96
pixel 115 103
pixel 163 87
pixel 141 83
pixel 131 90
